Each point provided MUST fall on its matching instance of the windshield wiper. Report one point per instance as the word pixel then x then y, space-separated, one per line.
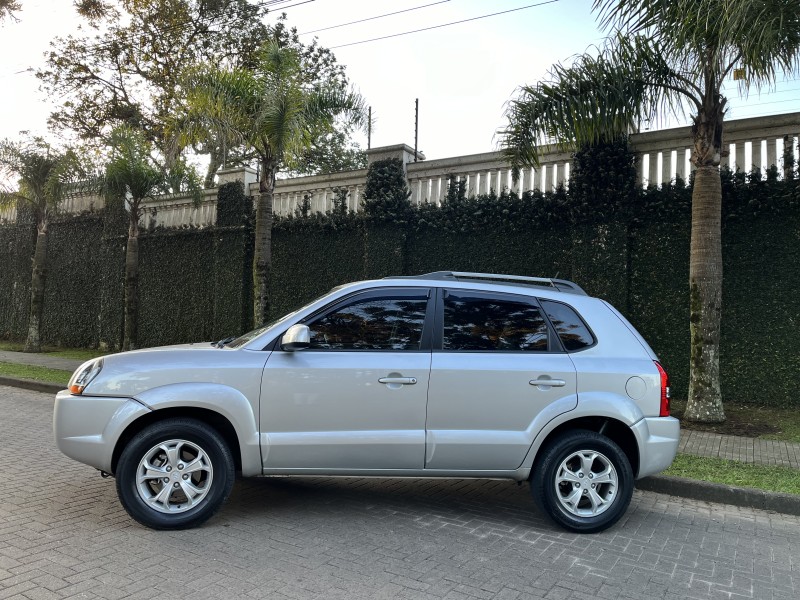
pixel 223 341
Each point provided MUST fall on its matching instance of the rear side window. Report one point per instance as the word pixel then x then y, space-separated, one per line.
pixel 482 322
pixel 574 333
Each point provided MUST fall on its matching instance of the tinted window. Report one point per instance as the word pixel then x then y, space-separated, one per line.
pixel 388 322
pixel 477 322
pixel 570 327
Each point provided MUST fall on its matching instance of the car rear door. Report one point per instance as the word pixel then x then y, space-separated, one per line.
pixel 498 374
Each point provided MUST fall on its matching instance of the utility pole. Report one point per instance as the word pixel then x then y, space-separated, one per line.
pixel 369 129
pixel 416 126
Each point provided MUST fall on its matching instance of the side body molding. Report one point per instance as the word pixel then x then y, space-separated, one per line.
pixel 590 404
pixel 218 398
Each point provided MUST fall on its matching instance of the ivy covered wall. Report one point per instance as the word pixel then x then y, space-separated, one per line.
pixel 194 284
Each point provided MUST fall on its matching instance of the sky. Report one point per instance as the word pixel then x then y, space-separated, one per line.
pixel 463 74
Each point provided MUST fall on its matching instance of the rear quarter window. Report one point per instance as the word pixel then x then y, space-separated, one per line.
pixel 571 328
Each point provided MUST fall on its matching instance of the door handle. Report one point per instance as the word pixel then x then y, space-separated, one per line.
pixel 400 380
pixel 548 382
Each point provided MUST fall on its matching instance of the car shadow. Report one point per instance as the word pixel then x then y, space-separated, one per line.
pixel 433 502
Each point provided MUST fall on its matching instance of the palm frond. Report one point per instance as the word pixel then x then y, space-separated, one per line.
pixel 597 98
pixel 44 174
pixel 762 36
pixel 271 110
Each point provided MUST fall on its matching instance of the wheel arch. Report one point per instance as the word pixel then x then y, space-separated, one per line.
pixel 211 418
pixel 615 430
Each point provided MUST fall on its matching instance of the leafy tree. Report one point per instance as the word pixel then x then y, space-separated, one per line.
pixel 132 176
pixel 129 71
pixel 332 149
pixel 332 152
pixel 44 175
pixel 274 110
pixel 667 56
pixel 7 8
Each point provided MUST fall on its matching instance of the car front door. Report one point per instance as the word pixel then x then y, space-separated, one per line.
pixel 498 373
pixel 355 399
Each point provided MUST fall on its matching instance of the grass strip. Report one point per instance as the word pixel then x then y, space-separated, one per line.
pixel 35 373
pixel 731 472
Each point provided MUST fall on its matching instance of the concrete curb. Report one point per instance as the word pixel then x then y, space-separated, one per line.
pixel 30 384
pixel 788 504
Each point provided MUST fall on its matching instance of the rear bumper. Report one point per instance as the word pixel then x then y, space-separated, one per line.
pixel 87 428
pixel 658 439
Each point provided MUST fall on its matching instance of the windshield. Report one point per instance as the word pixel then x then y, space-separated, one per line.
pixel 251 335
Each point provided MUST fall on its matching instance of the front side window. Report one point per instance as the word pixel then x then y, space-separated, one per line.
pixel 482 322
pixel 374 322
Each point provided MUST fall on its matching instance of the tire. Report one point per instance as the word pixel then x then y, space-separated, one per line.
pixel 175 474
pixel 583 480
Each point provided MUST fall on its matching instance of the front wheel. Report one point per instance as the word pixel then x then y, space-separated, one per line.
pixel 584 481
pixel 175 474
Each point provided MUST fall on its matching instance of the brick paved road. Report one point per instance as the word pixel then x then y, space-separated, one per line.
pixel 64 535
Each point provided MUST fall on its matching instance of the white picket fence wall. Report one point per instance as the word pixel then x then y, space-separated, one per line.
pixel 663 155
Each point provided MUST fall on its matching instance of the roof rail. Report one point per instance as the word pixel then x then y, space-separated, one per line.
pixel 561 285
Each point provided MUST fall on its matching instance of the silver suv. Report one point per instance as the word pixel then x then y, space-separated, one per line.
pixel 439 375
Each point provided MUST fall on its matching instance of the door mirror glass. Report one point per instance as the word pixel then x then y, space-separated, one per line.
pixel 297 337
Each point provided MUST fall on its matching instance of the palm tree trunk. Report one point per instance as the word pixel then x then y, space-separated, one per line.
pixel 130 340
pixel 705 292
pixel 262 257
pixel 214 162
pixel 38 278
pixel 705 268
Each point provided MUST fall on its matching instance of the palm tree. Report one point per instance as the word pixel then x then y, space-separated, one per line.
pixel 132 176
pixel 275 111
pixel 666 57
pixel 44 175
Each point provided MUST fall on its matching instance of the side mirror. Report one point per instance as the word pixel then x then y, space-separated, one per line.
pixel 297 337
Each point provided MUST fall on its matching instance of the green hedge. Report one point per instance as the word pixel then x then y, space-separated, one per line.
pixel 176 287
pixel 72 304
pixel 307 262
pixel 760 360
pixel 16 255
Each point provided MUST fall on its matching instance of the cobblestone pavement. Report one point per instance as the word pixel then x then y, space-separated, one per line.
pixel 63 534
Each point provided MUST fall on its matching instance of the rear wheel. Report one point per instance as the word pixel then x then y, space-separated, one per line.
pixel 175 474
pixel 584 481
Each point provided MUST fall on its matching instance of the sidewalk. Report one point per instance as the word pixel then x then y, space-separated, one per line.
pixel 40 360
pixel 743 449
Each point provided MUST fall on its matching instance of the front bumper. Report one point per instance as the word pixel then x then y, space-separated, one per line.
pixel 658 439
pixel 87 428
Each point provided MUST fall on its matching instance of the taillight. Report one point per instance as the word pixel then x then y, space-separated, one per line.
pixel 664 390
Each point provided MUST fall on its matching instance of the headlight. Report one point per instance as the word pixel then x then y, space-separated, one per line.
pixel 84 375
